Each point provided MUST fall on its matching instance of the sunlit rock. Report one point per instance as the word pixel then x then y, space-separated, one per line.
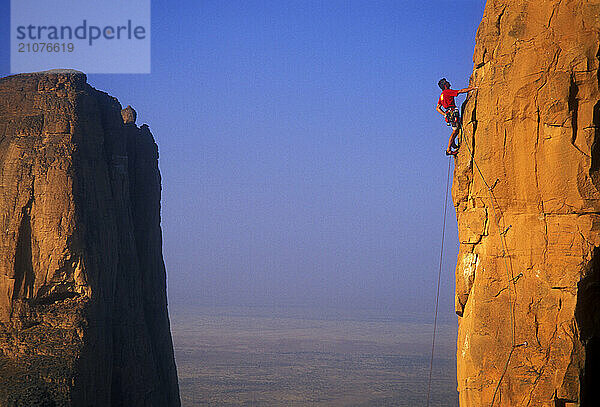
pixel 528 271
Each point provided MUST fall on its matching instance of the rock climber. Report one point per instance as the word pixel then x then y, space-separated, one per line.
pixel 447 108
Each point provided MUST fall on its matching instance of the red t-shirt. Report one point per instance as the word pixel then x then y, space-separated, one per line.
pixel 447 98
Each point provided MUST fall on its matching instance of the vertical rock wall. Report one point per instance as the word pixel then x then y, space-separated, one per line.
pixel 83 311
pixel 526 192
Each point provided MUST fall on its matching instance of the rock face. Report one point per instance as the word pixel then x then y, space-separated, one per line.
pixel 527 197
pixel 83 311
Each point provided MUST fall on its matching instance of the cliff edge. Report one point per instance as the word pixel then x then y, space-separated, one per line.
pixel 83 309
pixel 527 197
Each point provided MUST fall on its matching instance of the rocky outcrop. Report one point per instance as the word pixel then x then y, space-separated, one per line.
pixel 83 311
pixel 527 197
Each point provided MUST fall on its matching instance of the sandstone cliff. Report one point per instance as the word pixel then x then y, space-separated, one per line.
pixel 83 311
pixel 528 270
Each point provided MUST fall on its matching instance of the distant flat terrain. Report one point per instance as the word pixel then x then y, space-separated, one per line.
pixel 239 357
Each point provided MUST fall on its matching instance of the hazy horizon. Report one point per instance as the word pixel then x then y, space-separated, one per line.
pixel 243 356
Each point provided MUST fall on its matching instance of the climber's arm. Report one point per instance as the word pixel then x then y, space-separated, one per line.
pixel 439 110
pixel 465 90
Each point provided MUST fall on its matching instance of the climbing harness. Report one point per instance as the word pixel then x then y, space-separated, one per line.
pixel 453 117
pixel 437 297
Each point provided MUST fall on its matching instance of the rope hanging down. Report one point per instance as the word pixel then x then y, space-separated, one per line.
pixel 437 297
pixel 507 266
pixel 512 298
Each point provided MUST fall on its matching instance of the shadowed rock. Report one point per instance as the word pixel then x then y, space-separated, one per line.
pixel 83 311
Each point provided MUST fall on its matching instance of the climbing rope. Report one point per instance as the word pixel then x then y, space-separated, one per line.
pixel 437 297
pixel 512 294
pixel 512 298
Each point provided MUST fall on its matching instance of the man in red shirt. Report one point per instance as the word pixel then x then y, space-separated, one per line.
pixel 447 107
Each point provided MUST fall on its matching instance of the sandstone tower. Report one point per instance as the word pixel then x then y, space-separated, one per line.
pixel 527 197
pixel 83 311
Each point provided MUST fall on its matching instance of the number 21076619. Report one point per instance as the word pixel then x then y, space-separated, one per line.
pixel 46 47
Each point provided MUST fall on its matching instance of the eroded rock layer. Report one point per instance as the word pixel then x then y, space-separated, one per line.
pixel 83 311
pixel 526 192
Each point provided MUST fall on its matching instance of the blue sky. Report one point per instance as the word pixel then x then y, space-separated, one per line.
pixel 302 158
